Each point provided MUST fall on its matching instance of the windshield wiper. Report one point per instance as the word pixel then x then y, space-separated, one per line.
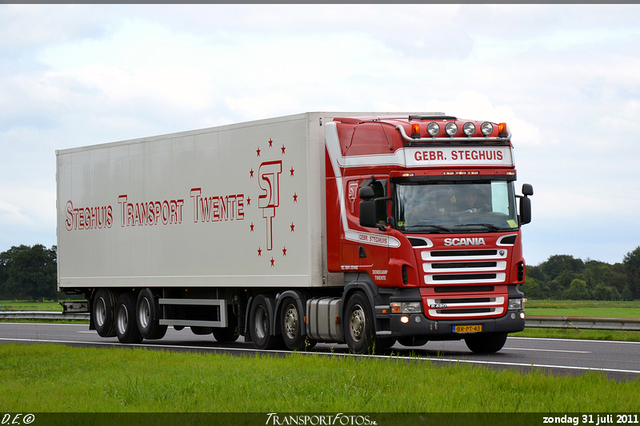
pixel 438 227
pixel 486 225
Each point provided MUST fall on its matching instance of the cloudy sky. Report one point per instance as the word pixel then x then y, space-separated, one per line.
pixel 566 78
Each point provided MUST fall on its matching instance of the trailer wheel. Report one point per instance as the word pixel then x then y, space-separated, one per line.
pixel 291 325
pixel 146 311
pixel 358 326
pixel 103 312
pixel 260 323
pixel 486 343
pixel 126 324
pixel 230 333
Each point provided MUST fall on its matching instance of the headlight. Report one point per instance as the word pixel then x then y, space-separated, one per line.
pixel 469 128
pixel 406 307
pixel 433 129
pixel 451 129
pixel 487 128
pixel 516 304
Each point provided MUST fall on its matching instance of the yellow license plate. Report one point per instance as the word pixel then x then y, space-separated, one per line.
pixel 467 329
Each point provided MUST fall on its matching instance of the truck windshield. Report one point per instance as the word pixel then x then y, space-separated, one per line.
pixel 456 207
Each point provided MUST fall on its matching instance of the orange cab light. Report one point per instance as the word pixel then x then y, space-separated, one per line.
pixel 415 130
pixel 502 127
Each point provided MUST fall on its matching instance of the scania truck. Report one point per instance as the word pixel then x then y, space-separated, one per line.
pixel 359 228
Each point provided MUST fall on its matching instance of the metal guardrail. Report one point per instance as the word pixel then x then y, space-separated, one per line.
pixel 534 321
pixel 632 324
pixel 43 315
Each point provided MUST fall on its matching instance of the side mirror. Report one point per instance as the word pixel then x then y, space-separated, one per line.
pixel 368 214
pixel 525 210
pixel 525 204
pixel 366 193
pixel 373 206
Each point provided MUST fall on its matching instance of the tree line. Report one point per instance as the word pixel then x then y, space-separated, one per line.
pixel 30 273
pixel 566 277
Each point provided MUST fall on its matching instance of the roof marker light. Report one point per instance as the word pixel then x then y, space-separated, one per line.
pixel 469 128
pixel 433 129
pixel 486 128
pixel 451 129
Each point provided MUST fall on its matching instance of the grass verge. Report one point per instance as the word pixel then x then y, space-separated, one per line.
pixel 578 333
pixel 52 378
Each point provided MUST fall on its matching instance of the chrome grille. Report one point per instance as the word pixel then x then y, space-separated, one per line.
pixel 465 307
pixel 446 267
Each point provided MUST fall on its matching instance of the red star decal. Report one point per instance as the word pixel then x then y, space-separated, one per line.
pixel 293 227
pixel 251 173
pixel 270 143
pixel 251 226
pixel 295 197
pixel 259 251
pixel 248 201
pixel 273 262
pixel 291 171
pixel 258 151
pixel 283 148
pixel 284 251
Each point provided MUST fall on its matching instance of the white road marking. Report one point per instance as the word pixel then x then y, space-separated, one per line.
pixel 546 350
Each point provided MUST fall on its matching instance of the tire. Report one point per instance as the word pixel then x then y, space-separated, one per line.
pixel 126 324
pixel 486 343
pixel 291 323
pixel 103 312
pixel 261 324
pixel 230 333
pixel 146 311
pixel 413 341
pixel 358 325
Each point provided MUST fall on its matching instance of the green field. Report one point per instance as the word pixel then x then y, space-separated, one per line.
pixel 584 308
pixel 51 378
pixel 25 305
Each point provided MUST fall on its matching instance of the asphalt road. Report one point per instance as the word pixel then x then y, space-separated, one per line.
pixel 619 360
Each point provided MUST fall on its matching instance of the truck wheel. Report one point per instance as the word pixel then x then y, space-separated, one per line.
pixel 291 325
pixel 146 311
pixel 486 343
pixel 260 323
pixel 358 325
pixel 103 312
pixel 126 324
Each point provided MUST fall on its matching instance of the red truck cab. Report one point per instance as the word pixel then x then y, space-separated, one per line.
pixel 429 228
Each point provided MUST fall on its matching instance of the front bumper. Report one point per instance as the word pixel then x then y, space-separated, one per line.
pixel 419 325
